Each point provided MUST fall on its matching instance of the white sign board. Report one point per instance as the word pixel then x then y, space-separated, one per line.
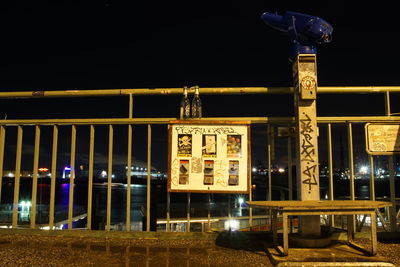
pixel 382 139
pixel 209 157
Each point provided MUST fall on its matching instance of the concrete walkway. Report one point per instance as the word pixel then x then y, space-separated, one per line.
pixel 24 247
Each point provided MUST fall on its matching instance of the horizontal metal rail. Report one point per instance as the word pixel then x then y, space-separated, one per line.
pixel 208 90
pixel 253 120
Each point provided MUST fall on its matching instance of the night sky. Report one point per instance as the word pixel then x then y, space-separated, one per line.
pixel 111 44
pixel 65 45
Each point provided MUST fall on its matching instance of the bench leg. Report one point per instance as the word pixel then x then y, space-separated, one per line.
pixel 373 233
pixel 274 227
pixel 350 228
pixel 285 234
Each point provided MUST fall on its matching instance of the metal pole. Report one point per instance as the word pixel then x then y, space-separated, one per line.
pixel 90 178
pixel 2 141
pixel 109 172
pixel 148 177
pixel 372 180
pixel 128 180
pixel 72 178
pixel 392 209
pixel 53 176
pixel 330 169
pixel 17 177
pixel 35 175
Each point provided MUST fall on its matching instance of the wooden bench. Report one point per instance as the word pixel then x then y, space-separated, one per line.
pixel 334 207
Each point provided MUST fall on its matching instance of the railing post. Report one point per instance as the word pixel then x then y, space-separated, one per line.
pixel 250 208
pixel 72 177
pixel 17 177
pixel 129 165
pixel 392 209
pixel 351 168
pixel 148 203
pixel 35 175
pixel 372 179
pixel 351 159
pixel 387 103
pixel 90 177
pixel 269 193
pixel 109 176
pixel 330 169
pixel 290 162
pixel 188 213
pixel 2 141
pixel 209 212
pixel 53 176
pixel 128 179
pixel 168 225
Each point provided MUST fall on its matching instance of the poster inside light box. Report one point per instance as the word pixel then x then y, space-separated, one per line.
pixel 209 157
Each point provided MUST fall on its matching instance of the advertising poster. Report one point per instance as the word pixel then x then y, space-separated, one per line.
pixel 209 157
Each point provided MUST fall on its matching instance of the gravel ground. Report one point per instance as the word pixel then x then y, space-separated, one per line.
pixel 22 250
pixel 390 251
pixel 35 250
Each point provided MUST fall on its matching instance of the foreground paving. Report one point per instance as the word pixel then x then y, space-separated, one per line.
pixel 23 250
pixel 74 248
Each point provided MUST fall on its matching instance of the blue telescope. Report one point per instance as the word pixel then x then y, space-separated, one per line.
pixel 304 31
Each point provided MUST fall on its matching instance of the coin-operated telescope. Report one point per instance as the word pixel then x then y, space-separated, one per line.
pixel 305 31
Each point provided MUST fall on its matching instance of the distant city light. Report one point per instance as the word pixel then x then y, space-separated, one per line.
pixel 254 169
pixel 363 170
pixel 240 200
pixel 67 168
pixel 233 225
pixel 25 206
pixel 103 174
pixel 10 174
pixel 281 170
pixel 43 169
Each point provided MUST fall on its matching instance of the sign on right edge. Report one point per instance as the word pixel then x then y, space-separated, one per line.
pixel 382 139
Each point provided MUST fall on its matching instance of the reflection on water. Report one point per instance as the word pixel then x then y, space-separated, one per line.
pixel 99 203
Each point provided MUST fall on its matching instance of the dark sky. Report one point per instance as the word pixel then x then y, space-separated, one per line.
pixel 65 45
pixel 112 44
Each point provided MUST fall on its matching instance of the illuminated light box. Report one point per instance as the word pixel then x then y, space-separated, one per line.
pixel 209 156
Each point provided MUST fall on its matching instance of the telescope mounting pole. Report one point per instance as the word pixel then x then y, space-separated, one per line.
pixel 305 92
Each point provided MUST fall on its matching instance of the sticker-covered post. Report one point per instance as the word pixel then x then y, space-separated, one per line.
pixel 305 84
pixel 305 32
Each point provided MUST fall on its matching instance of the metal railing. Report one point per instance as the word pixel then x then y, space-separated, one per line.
pixel 131 122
